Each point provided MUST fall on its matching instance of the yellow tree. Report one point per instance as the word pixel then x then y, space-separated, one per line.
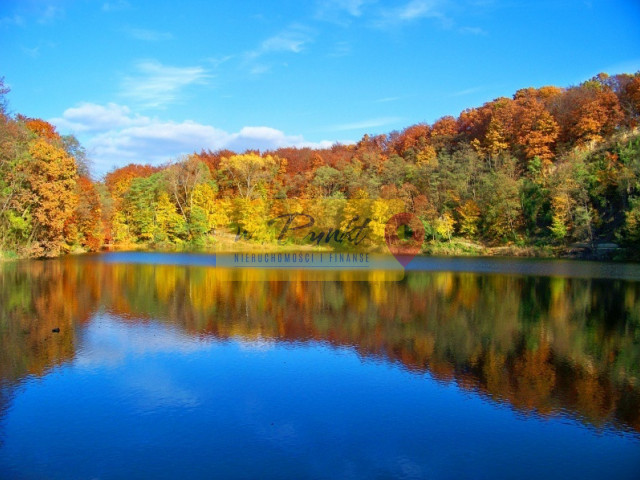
pixel 51 176
pixel 182 178
pixel 252 218
pixel 427 156
pixel 381 211
pixel 215 210
pixel 169 224
pixel 248 171
pixel 356 212
pixel 469 218
pixel 561 205
pixel 444 225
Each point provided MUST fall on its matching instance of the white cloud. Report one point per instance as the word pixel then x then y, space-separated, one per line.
pixel 267 138
pixel 154 143
pixel 148 35
pixel 157 85
pixel 91 117
pixel 114 136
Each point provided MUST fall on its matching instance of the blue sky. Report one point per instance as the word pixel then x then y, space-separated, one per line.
pixel 145 82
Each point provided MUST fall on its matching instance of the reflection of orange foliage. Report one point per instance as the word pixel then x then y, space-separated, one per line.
pixel 535 378
pixel 459 327
pixel 495 374
pixel 442 371
pixel 592 399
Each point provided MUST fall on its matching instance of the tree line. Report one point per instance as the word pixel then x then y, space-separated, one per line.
pixel 548 166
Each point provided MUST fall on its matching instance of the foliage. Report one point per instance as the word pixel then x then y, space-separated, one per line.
pixel 547 166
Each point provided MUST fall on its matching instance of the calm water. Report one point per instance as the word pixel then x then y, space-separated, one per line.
pixel 167 367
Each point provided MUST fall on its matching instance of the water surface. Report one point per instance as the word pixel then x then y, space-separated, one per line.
pixel 166 366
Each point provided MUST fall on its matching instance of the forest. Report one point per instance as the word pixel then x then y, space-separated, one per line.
pixel 545 171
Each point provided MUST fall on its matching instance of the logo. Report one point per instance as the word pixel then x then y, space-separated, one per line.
pixel 408 246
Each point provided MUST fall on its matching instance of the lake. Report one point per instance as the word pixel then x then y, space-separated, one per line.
pixel 168 366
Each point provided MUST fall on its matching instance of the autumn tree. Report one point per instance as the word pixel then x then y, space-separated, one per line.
pixel 51 178
pixel 589 112
pixel 501 209
pixel 327 181
pixel 139 207
pixel 88 215
pixel 169 225
pixel 535 129
pixel 632 223
pixel 248 171
pixel 182 179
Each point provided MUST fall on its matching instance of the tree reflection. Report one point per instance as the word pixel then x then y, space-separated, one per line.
pixel 543 344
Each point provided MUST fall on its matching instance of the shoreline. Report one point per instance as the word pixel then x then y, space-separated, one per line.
pixel 604 252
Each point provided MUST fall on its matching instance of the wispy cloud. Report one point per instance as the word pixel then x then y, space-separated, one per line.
pixel 14 19
pixel 418 9
pixel 215 62
pixel 156 85
pixel 33 52
pixel 467 91
pixel 42 12
pixel 148 35
pixel 340 49
pixel 387 99
pixel 411 11
pixel 115 6
pixel 340 11
pixel 472 31
pixel 292 39
pixel 370 123
pixel 259 69
pixel 49 13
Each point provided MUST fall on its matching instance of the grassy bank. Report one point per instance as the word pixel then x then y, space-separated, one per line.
pixel 226 242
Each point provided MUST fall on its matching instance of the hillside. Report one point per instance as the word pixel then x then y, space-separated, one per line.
pixel 551 170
